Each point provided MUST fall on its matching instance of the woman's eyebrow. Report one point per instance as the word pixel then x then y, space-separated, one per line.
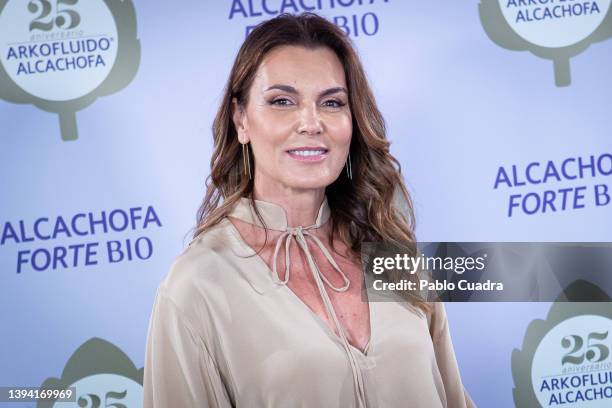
pixel 334 90
pixel 292 90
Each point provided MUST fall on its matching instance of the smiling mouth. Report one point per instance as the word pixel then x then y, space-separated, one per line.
pixel 308 154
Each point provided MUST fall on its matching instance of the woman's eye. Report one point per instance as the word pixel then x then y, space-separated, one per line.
pixel 281 102
pixel 332 103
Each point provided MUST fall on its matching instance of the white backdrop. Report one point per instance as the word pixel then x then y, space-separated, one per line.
pixel 459 104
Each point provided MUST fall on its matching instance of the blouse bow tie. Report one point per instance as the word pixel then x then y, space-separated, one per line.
pixel 276 219
pixel 300 233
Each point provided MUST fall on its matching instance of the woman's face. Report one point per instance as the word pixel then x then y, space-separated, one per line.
pixel 297 119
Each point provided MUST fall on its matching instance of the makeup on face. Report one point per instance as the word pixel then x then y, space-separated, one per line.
pixel 299 119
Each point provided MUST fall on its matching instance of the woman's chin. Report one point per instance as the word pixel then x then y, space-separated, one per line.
pixel 309 183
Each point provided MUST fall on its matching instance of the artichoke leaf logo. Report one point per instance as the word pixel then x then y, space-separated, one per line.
pixel 61 55
pixel 553 30
pixel 565 359
pixel 103 376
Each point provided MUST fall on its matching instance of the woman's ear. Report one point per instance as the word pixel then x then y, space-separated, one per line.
pixel 240 121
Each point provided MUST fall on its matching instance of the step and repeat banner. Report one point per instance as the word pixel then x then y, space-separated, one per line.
pixel 498 111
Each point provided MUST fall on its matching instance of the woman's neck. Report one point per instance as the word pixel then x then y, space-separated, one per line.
pixel 301 206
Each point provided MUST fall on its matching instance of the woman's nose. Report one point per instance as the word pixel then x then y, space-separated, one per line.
pixel 309 121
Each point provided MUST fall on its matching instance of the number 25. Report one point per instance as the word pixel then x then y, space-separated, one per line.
pixel 574 357
pixel 64 18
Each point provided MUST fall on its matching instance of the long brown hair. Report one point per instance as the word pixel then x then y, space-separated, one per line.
pixel 362 207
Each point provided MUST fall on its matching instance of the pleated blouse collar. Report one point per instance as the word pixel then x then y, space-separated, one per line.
pixel 274 215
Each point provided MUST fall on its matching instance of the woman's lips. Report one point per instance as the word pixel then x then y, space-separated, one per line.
pixel 310 155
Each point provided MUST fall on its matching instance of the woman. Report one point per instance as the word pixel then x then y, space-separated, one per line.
pixel 264 308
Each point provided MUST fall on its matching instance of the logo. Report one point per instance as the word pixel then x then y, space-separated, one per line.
pixel 103 375
pixel 61 55
pixel 351 16
pixel 533 188
pixel 55 243
pixel 566 360
pixel 552 29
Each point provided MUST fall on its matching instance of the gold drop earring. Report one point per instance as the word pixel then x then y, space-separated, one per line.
pixel 246 161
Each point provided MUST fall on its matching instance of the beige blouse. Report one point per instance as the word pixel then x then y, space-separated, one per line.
pixel 226 332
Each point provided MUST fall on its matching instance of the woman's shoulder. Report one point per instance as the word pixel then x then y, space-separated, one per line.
pixel 213 238
pixel 199 267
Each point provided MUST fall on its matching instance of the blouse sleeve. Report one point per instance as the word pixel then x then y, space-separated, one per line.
pixel 456 395
pixel 179 371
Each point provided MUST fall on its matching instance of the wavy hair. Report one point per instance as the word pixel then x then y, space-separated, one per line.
pixel 362 207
